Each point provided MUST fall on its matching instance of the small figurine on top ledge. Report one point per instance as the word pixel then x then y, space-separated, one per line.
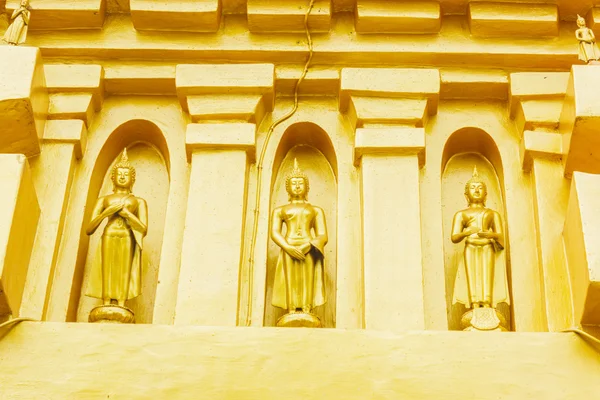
pixel 588 49
pixel 17 30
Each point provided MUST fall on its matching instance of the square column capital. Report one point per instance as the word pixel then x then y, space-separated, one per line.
pixel 390 141
pixel 580 120
pixel 23 100
pixel 226 92
pixel 218 137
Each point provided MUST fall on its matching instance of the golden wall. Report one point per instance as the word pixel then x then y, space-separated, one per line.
pixel 400 100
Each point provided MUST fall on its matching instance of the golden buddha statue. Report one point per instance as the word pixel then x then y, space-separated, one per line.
pixel 588 49
pixel 17 30
pixel 481 280
pixel 299 276
pixel 116 270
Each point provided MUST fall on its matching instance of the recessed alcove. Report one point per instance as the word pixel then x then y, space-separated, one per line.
pixel 311 147
pixel 465 149
pixel 147 153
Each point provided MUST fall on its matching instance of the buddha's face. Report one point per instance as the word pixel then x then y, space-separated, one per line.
pixel 24 3
pixel 476 192
pixel 123 178
pixel 580 22
pixel 297 187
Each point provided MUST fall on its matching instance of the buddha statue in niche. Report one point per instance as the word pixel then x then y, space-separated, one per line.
pixel 588 49
pixel 299 284
pixel 117 268
pixel 17 31
pixel 481 281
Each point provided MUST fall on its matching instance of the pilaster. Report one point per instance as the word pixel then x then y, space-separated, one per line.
pixel 227 101
pixel 389 113
pixel 19 214
pixel 52 172
pixel 581 237
pixel 535 103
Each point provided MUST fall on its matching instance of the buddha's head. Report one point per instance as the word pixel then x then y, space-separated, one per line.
pixel 580 21
pixel 25 3
pixel 123 173
pixel 296 183
pixel 475 189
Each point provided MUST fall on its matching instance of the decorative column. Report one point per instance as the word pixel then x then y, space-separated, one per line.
pixel 581 235
pixel 580 128
pixel 23 113
pixel 19 214
pixel 225 101
pixel 64 142
pixel 389 113
pixel 536 101
pixel 76 94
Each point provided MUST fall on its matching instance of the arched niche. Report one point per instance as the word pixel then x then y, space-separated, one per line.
pixel 312 147
pixel 465 149
pixel 147 152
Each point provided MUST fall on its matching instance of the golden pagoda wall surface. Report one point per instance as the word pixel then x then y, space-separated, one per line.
pixel 401 100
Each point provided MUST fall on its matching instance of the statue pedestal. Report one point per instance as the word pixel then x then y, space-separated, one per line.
pixel 112 313
pixel 483 319
pixel 299 320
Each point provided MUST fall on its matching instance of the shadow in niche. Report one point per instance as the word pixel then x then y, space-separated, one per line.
pixel 465 149
pixel 147 151
pixel 311 146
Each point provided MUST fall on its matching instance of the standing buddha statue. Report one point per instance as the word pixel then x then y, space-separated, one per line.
pixel 17 30
pixel 588 49
pixel 117 268
pixel 481 280
pixel 299 284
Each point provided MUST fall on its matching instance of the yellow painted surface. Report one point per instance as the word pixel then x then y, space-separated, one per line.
pixel 210 259
pixel 579 120
pixel 397 17
pixel 392 245
pixel 184 15
pixel 60 14
pixel 580 237
pixel 400 100
pixel 20 212
pixel 287 16
pixel 23 100
pixel 212 362
pixel 52 174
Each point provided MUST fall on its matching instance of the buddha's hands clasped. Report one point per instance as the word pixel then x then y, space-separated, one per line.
pixel 295 252
pixel 487 235
pixel 471 230
pixel 114 208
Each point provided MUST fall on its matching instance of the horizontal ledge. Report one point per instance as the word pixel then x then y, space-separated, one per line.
pixel 173 361
pixel 495 19
pixel 183 15
pixel 342 46
pixel 61 14
pixel 381 16
pixel 288 16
